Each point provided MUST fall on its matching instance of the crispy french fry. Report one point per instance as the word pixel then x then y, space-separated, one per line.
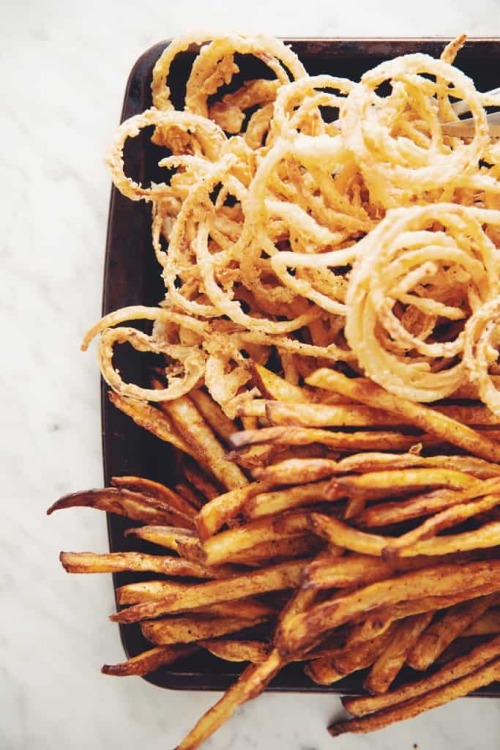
pixel 452 671
pixel 482 538
pixel 278 549
pixel 388 665
pixel 115 562
pixel 199 480
pixel 344 572
pixel 149 661
pixel 124 502
pixel 441 580
pixel 275 578
pixel 179 540
pixel 151 419
pixel 393 482
pixel 443 631
pixel 190 495
pixel 156 490
pixel 272 386
pixel 204 445
pixel 426 419
pixel 487 624
pixel 224 545
pixel 213 414
pixel 342 535
pixel 186 629
pixel 297 470
pixel 276 501
pixel 235 650
pixel 146 591
pixel 223 508
pixel 444 520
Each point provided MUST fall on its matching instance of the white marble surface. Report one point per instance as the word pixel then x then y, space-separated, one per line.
pixel 63 67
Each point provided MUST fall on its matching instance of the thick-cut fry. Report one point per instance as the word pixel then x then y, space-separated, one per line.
pixel 213 414
pixel 423 417
pixel 202 484
pixel 186 629
pixel 303 545
pixel 441 580
pixel 149 661
pixel 233 650
pixel 438 636
pixel 278 577
pixel 276 501
pixel 356 570
pixel 272 386
pixel 342 535
pixel 454 670
pixel 146 591
pixel 124 502
pixel 114 562
pixel 204 445
pixel 157 490
pixel 151 419
pixel 388 665
pixel 293 470
pixel 223 546
pixel 483 538
pixel 393 482
pixel 222 509
pixel 179 540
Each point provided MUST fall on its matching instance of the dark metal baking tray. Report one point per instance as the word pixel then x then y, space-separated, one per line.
pixel 131 276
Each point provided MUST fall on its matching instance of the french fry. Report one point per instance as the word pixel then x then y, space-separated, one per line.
pixel 149 661
pixel 224 545
pixel 199 480
pixel 151 419
pixel 213 414
pixel 278 549
pixel 186 629
pixel 179 540
pixel 344 572
pixel 340 534
pixel 223 508
pixel 272 386
pixel 483 538
pixel 487 624
pixel 190 495
pixel 273 502
pixel 393 482
pixel 426 419
pixel 188 421
pixel 156 490
pixel 297 470
pixel 483 676
pixel 124 502
pixel 442 580
pixel 454 670
pixel 444 520
pixel 146 591
pixel 443 631
pixel 115 562
pixel 388 665
pixel 275 578
pixel 255 652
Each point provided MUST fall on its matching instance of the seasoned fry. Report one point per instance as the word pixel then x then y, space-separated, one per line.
pixel 340 534
pixel 438 636
pixel 394 481
pixel 146 591
pixel 196 628
pixel 202 484
pixel 483 538
pixel 442 580
pixel 114 562
pixel 423 417
pixel 232 650
pixel 276 501
pixel 278 577
pixel 179 540
pixel 223 508
pixel 223 546
pixel 272 386
pixel 204 445
pixel 303 545
pixel 388 665
pixel 151 419
pixel 148 661
pixel 213 414
pixel 294 470
pixel 124 502
pixel 157 490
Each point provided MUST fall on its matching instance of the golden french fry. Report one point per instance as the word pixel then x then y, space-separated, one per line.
pixel 115 562
pixel 388 665
pixel 146 591
pixel 426 419
pixel 202 484
pixel 463 686
pixel 190 495
pixel 393 482
pixel 149 661
pixel 344 572
pixel 204 445
pixel 272 386
pixel 304 545
pixel 213 414
pixel 297 470
pixel 340 534
pixel 483 538
pixel 179 540
pixel 276 501
pixel 236 650
pixel 124 502
pixel 223 508
pixel 443 631
pixel 186 629
pixel 452 671
pixel 157 490
pixel 275 578
pixel 440 580
pixel 151 419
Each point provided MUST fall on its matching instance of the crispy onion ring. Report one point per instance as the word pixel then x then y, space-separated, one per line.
pixel 482 344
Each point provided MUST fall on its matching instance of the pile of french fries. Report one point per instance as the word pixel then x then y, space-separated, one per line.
pixel 332 524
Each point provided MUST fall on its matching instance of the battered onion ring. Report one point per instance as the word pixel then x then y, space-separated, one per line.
pixel 482 342
pixel 397 248
pixel 395 168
